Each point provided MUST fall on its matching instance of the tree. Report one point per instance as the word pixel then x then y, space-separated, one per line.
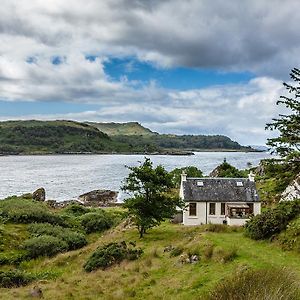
pixel 190 171
pixel 153 198
pixel 288 126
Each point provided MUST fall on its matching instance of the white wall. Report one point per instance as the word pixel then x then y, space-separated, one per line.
pixel 200 218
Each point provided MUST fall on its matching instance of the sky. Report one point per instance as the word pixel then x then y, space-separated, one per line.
pixel 182 67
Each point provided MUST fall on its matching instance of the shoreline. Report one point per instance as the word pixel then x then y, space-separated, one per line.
pixel 167 153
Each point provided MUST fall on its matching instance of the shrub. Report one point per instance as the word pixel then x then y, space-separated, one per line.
pixel 272 221
pixel 272 283
pixel 290 239
pixel 14 278
pixel 19 210
pixel 75 240
pixel 176 251
pixel 12 258
pixel 111 254
pixel 45 245
pixel 96 221
pixel 76 210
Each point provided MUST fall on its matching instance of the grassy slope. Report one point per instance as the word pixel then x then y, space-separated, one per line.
pixel 153 276
pixel 129 128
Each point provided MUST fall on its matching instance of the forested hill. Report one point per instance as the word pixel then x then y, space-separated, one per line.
pixel 50 137
pixel 129 128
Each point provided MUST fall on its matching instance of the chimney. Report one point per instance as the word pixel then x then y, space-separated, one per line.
pixel 251 176
pixel 183 176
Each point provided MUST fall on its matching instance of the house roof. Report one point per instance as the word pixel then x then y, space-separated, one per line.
pixel 219 190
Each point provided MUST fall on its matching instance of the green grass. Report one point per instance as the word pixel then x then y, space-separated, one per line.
pixel 156 275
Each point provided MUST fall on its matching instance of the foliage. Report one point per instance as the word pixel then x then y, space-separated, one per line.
pixel 176 251
pixel 191 171
pixel 74 240
pixel 152 200
pixel 96 221
pixel 14 278
pixel 18 210
pixel 111 254
pixel 224 255
pixel 76 210
pixel 290 238
pixel 226 170
pixel 288 125
pixel 277 175
pixel 45 245
pixel 249 284
pixel 272 221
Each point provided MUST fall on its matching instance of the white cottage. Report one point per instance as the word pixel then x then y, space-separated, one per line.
pixel 219 200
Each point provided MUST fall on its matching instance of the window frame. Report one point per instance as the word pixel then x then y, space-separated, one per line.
pixel 223 209
pixel 212 208
pixel 194 209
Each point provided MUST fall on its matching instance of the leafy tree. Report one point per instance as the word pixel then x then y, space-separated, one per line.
pixel 191 171
pixel 153 199
pixel 226 170
pixel 288 141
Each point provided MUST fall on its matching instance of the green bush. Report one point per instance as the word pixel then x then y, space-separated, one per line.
pixel 19 210
pixel 45 245
pixel 272 221
pixel 290 238
pixel 14 278
pixel 76 210
pixel 260 284
pixel 96 221
pixel 12 258
pixel 75 240
pixel 111 254
pixel 176 251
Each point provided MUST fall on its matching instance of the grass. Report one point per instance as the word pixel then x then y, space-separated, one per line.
pixel 155 275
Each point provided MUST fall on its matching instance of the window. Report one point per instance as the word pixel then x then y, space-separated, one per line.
pixel 200 183
pixel 250 208
pixel 193 209
pixel 212 208
pixel 222 209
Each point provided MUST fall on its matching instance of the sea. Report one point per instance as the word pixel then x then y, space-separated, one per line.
pixel 65 177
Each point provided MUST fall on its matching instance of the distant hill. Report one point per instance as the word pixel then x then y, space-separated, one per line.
pixel 50 137
pixel 42 137
pixel 129 128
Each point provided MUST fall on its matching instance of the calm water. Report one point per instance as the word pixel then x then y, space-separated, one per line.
pixel 67 176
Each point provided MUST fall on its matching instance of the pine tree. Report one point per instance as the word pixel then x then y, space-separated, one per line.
pixel 288 142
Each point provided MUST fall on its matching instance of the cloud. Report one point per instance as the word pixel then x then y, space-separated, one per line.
pixel 239 111
pixel 258 35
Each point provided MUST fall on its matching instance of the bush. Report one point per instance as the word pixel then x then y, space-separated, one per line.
pixel 96 221
pixel 272 221
pixel 75 240
pixel 290 239
pixel 45 245
pixel 111 254
pixel 176 251
pixel 261 284
pixel 76 210
pixel 19 210
pixel 14 278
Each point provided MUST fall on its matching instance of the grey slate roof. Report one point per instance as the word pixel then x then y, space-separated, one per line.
pixel 219 190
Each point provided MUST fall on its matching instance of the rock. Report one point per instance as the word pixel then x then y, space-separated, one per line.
pixel 27 196
pixel 36 292
pixel 169 248
pixel 39 194
pixel 184 259
pixel 194 258
pixel 99 198
pixel 62 204
pixel 292 192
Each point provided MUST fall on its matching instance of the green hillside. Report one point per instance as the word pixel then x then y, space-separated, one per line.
pixel 42 137
pixel 129 128
pixel 50 137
